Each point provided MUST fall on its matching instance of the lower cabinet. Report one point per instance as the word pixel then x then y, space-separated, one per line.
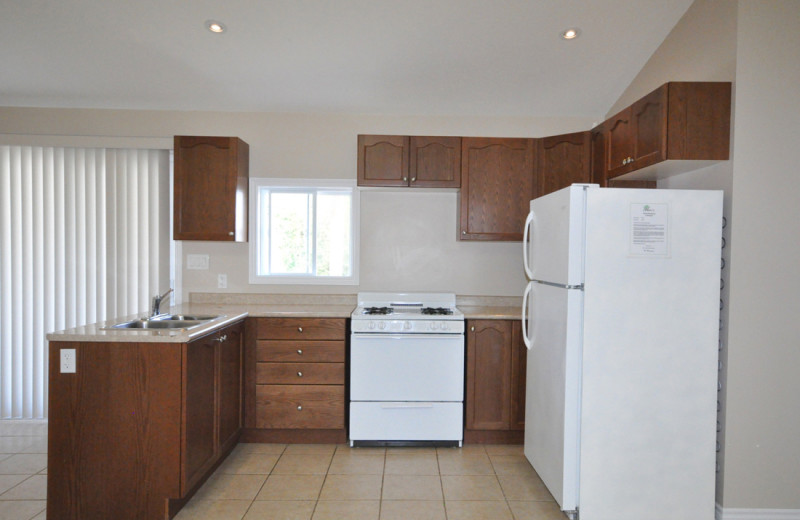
pixel 495 382
pixel 139 426
pixel 295 380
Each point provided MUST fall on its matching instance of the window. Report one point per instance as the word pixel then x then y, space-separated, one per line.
pixel 303 231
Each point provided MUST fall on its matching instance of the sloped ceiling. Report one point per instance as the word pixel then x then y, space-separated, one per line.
pixel 435 57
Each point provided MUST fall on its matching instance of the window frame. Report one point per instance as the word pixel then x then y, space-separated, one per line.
pixel 301 185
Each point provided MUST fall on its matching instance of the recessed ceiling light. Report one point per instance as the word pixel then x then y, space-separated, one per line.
pixel 571 33
pixel 215 27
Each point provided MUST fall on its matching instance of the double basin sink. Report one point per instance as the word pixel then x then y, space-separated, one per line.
pixel 165 321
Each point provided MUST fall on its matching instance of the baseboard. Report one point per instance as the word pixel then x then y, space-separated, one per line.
pixel 729 513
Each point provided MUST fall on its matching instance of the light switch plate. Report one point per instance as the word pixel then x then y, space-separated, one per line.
pixel 68 362
pixel 222 281
pixel 196 261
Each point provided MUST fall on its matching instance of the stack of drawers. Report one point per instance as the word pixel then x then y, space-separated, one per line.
pixel 300 373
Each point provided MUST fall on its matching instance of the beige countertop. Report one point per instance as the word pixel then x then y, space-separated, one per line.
pixel 231 308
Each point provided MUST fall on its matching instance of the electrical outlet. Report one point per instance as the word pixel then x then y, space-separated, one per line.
pixel 68 361
pixel 222 281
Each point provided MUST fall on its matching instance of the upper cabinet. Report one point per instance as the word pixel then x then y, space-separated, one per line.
pixel 679 121
pixel 497 184
pixel 211 179
pixel 416 161
pixel 563 160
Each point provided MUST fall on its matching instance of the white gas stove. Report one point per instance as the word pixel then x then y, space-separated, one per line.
pixel 406 370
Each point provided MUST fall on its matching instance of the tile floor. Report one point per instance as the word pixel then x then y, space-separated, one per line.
pixel 318 482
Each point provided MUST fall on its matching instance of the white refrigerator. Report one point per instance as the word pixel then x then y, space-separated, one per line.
pixel 621 316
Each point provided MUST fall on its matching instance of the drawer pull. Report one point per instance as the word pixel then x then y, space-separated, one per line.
pixel 299 352
pixel 389 406
pixel 299 329
pixel 299 406
pixel 299 374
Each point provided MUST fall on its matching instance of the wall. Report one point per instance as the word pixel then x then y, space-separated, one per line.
pixel 408 237
pixel 756 45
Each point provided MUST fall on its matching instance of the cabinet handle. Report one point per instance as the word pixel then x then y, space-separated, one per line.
pixel 472 328
pixel 299 352
pixel 230 233
pixel 299 374
pixel 299 329
pixel 405 179
pixel 222 338
pixel 299 406
pixel 464 232
pixel 413 179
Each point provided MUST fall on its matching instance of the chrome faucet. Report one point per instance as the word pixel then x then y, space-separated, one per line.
pixel 156 310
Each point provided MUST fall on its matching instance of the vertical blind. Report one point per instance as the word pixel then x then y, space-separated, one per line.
pixel 84 237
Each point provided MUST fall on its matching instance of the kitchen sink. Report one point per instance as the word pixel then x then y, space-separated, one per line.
pixel 166 321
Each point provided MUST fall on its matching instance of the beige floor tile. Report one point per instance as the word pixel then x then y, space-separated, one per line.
pixel 424 463
pixel 524 487
pixel 310 449
pixel 281 510
pixel 231 487
pixel 412 487
pixel 21 509
pixel 347 510
pixel 257 447
pixel 353 464
pixel 536 510
pixel 15 444
pixel 511 465
pixel 32 488
pixel 464 464
pixel 41 516
pixel 214 510
pixel 23 464
pixel 471 487
pixel 316 464
pixel 38 445
pixel 352 487
pixel 243 463
pixel 412 509
pixel 9 481
pixel 365 450
pixel 291 487
pixel 409 450
pixel 477 510
pixel 16 427
pixel 505 449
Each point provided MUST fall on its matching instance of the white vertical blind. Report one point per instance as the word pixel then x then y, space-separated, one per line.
pixel 84 236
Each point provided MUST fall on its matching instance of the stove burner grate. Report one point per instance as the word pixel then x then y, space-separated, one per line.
pixel 378 310
pixel 436 310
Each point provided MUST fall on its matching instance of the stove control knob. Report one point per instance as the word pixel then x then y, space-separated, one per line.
pixel 407 325
pixel 433 325
pixel 382 325
pixel 445 326
pixel 372 325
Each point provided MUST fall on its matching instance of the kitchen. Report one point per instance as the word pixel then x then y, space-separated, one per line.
pixel 755 435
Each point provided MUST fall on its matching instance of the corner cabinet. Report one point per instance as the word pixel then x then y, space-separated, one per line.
pixel 497 185
pixel 413 161
pixel 139 426
pixel 495 382
pixel 210 190
pixel 295 380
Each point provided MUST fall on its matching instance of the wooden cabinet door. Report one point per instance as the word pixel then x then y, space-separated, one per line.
pixel 435 162
pixel 488 375
pixel 563 160
pixel 599 152
pixel 210 189
pixel 497 184
pixel 383 160
pixel 649 124
pixel 519 366
pixel 230 384
pixel 619 136
pixel 199 441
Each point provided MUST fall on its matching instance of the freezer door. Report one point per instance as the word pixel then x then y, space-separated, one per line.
pixel 556 236
pixel 552 399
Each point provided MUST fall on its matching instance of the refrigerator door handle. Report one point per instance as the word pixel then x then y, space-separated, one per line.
pixel 525 296
pixel 526 246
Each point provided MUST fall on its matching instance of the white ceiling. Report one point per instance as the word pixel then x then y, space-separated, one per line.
pixel 438 57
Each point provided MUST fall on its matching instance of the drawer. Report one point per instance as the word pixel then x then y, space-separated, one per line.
pixel 406 421
pixel 301 328
pixel 300 373
pixel 299 406
pixel 277 351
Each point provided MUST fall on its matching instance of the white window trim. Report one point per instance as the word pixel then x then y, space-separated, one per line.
pixel 254 230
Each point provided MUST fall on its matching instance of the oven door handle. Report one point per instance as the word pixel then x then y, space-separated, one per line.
pixel 374 335
pixel 389 406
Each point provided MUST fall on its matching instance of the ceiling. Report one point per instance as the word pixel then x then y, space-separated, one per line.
pixel 422 57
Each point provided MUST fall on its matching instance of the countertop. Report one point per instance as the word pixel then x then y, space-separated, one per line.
pixel 233 308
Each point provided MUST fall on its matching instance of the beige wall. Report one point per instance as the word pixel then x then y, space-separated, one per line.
pixel 408 237
pixel 756 45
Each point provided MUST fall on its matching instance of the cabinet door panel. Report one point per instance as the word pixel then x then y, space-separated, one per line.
pixel 382 160
pixel 563 160
pixel 620 144
pixel 649 119
pixel 230 385
pixel 497 184
pixel 599 152
pixel 435 162
pixel 488 375
pixel 199 439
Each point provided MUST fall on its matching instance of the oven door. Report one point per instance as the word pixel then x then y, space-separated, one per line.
pixel 407 367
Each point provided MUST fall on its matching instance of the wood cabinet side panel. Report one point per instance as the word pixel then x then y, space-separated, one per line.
pixel 699 120
pixel 114 431
pixel 519 365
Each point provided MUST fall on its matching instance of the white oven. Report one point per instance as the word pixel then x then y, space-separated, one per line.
pixel 406 370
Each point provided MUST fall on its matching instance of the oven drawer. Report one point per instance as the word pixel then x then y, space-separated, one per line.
pixel 406 421
pixel 278 351
pixel 300 373
pixel 301 328
pixel 299 406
